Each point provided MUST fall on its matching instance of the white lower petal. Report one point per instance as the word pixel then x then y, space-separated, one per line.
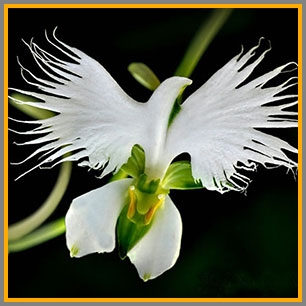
pixel 159 249
pixel 91 219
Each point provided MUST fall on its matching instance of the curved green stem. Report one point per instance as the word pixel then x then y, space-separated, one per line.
pixel 39 236
pixel 25 226
pixel 201 41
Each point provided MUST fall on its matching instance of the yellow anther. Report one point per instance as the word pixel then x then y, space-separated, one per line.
pixel 132 205
pixel 149 215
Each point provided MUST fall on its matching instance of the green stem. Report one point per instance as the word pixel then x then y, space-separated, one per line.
pixel 39 236
pixel 25 226
pixel 31 111
pixel 201 41
pixel 22 228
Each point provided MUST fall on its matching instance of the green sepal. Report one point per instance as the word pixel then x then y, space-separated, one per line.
pixel 119 175
pixel 144 75
pixel 136 163
pixel 179 176
pixel 128 232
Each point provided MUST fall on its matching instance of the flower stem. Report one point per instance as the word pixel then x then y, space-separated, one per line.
pixel 25 226
pixel 201 41
pixel 39 236
pixel 18 233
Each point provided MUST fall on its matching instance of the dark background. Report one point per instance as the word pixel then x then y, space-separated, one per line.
pixel 233 245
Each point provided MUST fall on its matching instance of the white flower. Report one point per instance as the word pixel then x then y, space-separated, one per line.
pixel 219 125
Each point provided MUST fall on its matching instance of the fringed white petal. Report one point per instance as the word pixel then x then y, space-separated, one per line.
pixel 218 124
pixel 93 114
pixel 91 219
pixel 159 249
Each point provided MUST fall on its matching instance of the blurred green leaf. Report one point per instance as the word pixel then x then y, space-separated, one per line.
pixel 144 75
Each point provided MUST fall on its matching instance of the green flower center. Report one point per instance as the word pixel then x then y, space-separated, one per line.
pixel 145 197
pixel 143 206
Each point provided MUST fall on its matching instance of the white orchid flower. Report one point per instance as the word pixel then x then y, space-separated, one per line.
pixel 103 128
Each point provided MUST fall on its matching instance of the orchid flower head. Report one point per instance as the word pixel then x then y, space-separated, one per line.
pixel 220 126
